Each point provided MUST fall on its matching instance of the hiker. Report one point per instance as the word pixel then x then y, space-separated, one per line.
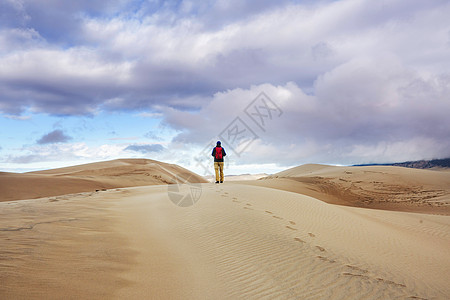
pixel 218 153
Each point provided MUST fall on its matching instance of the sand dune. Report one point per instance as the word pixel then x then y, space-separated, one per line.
pixel 238 241
pixel 91 177
pixel 380 187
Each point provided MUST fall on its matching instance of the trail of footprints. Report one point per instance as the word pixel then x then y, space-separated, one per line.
pixel 351 271
pixel 290 226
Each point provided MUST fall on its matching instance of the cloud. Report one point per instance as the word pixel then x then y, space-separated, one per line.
pixel 27 159
pixel 146 148
pixel 63 152
pixel 152 115
pixel 46 153
pixel 366 110
pixel 15 117
pixel 12 14
pixel 134 56
pixel 31 14
pixel 56 136
pixel 153 136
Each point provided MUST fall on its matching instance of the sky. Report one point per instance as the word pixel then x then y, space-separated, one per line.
pixel 280 83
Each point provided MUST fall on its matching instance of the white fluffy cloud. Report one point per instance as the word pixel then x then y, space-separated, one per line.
pixel 43 156
pixel 363 111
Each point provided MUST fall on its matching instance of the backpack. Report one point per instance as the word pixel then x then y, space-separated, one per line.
pixel 219 153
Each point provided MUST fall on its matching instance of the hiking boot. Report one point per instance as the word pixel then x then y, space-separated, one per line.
pixel 221 182
pixel 217 182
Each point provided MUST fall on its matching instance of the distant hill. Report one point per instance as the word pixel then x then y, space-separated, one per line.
pixel 378 187
pixel 239 177
pixel 97 176
pixel 419 164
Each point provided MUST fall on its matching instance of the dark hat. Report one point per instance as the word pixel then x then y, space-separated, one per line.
pixel 218 143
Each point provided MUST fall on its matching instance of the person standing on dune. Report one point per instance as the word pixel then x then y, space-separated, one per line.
pixel 218 153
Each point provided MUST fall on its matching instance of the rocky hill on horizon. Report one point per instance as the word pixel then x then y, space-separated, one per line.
pixel 419 164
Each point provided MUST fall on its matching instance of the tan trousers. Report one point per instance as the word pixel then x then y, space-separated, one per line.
pixel 218 167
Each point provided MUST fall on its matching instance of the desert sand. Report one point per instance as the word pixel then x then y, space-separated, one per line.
pixel 237 241
pixel 90 177
pixel 379 187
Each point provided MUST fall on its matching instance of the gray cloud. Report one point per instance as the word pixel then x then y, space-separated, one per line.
pixel 148 148
pixel 26 159
pixel 12 14
pixel 56 136
pixel 59 24
pixel 358 113
pixel 152 135
pixel 100 58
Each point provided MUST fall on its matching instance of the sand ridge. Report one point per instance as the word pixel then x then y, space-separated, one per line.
pixel 380 187
pixel 90 177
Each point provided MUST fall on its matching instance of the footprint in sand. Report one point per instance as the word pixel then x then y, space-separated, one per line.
pixel 326 259
pixel 269 212
pixel 390 282
pixel 292 222
pixel 277 217
pixel 247 206
pixel 355 275
pixel 299 240
pixel 321 249
pixel 291 228
pixel 311 234
pixel 354 268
